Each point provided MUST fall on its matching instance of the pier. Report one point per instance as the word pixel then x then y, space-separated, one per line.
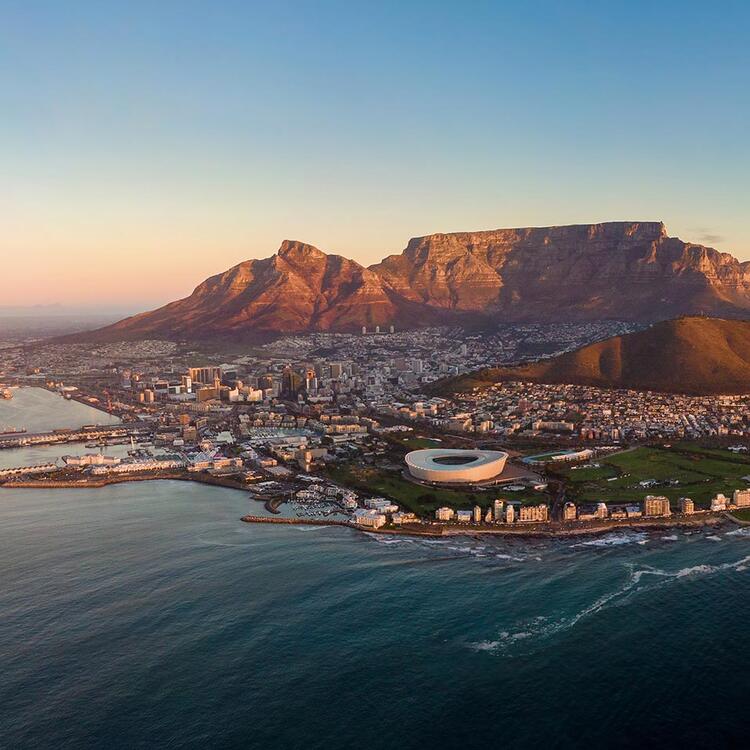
pixel 21 439
pixel 23 470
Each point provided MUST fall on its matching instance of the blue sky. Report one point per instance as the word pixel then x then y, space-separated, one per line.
pixel 145 146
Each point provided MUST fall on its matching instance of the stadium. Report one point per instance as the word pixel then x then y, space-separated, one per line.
pixel 450 466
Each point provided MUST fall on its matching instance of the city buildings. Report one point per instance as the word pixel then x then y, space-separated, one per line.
pixel 687 506
pixel 654 505
pixel 719 502
pixel 369 518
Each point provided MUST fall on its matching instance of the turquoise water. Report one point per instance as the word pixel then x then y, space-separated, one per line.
pixel 147 615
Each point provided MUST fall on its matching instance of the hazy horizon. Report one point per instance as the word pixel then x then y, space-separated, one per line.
pixel 147 148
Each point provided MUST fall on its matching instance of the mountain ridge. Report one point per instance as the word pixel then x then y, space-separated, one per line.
pixel 628 270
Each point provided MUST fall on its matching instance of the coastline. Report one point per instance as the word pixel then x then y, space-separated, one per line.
pixel 550 530
pixel 526 532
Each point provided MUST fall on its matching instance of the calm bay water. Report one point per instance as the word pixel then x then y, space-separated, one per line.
pixel 147 615
pixel 39 410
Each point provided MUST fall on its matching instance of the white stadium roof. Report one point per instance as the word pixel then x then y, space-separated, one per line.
pixel 455 466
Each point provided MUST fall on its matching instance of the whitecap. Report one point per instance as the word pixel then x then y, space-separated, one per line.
pixel 387 540
pixel 541 626
pixel 309 528
pixel 613 540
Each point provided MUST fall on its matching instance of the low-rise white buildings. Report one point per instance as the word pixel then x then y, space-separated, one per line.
pixel 369 518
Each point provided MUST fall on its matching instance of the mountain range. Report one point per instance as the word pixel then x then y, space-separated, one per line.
pixel 625 270
pixel 690 355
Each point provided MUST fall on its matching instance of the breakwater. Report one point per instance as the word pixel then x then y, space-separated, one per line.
pixel 104 481
pixel 297 521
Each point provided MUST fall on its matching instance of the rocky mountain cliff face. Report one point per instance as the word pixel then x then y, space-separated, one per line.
pixel 625 270
pixel 621 270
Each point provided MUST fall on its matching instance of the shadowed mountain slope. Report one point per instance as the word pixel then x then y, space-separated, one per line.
pixel 688 355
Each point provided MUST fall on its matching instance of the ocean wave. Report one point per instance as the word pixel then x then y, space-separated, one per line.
pixel 670 538
pixel 388 540
pixel 514 558
pixel 742 531
pixel 637 582
pixel 614 539
pixel 310 528
pixel 483 552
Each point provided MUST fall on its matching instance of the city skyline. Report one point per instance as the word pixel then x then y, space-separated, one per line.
pixel 146 149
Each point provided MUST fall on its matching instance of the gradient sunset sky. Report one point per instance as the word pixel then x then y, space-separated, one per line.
pixel 147 145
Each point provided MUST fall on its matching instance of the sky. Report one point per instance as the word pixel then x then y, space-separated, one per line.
pixel 147 145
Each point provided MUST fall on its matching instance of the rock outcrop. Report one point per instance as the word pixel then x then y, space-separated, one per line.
pixel 615 270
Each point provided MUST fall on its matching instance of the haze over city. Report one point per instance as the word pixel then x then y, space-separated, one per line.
pixel 146 147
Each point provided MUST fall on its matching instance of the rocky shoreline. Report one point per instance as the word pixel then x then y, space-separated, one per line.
pixel 521 531
pixel 548 531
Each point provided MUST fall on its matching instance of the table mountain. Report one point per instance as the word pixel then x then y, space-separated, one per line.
pixel 615 270
pixel 690 355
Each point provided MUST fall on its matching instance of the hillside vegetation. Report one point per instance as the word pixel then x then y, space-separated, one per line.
pixel 688 355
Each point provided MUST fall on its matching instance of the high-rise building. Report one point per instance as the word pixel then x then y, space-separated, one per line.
pixel 687 506
pixel 311 381
pixel 570 512
pixel 510 514
pixel 534 513
pixel 741 498
pixel 204 375
pixel 656 505
pixel 444 514
pixel 477 514
pixel 291 383
pixel 719 502
pixel 497 508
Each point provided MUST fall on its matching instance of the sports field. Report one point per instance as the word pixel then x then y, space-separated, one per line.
pixel 682 470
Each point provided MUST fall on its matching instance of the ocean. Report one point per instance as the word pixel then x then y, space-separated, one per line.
pixel 147 615
pixel 39 410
